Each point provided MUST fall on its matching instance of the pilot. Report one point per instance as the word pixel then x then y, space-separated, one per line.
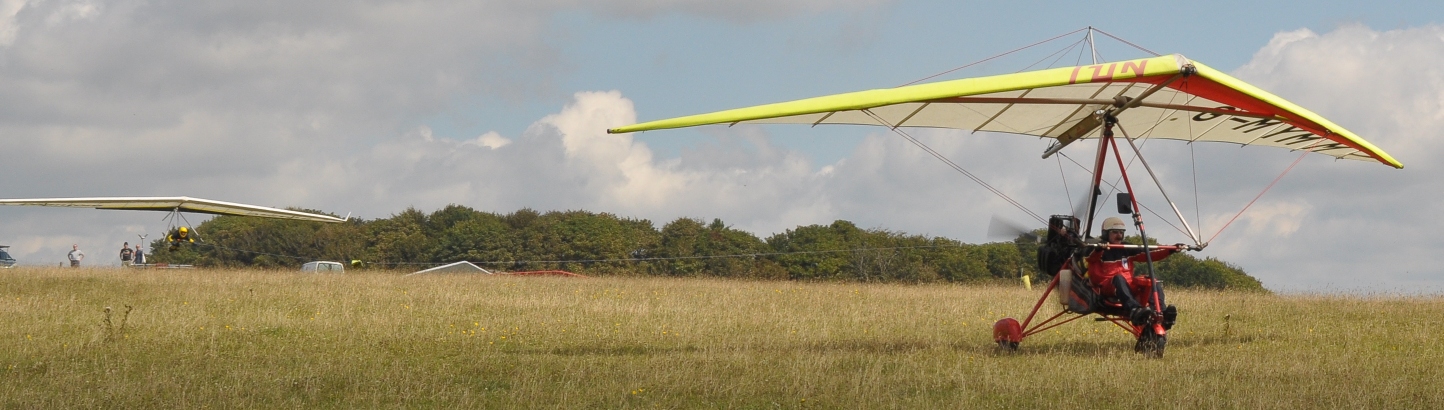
pixel 178 235
pixel 1111 272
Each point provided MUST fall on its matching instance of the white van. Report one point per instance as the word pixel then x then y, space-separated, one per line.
pixel 323 267
pixel 5 259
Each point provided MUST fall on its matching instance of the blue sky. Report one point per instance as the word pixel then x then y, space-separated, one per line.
pixel 498 105
pixel 675 64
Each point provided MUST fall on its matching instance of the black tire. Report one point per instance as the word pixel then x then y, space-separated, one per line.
pixel 1008 346
pixel 1151 345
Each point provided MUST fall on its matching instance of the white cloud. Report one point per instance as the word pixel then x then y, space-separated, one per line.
pixel 492 140
pixel 322 105
pixel 1360 225
pixel 1276 219
pixel 8 24
pixel 312 104
pixel 741 10
pixel 73 11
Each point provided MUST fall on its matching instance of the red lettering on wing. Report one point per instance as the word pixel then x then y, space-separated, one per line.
pixel 1136 66
pixel 1098 74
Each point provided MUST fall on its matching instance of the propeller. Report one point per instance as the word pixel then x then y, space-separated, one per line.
pixel 999 228
pixel 1080 206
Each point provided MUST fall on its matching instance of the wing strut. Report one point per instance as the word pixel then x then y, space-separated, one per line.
pixel 1139 155
pixel 1098 161
pixel 176 219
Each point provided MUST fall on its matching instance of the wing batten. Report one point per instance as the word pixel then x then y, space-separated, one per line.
pixel 1055 103
pixel 922 92
pixel 824 118
pixel 910 116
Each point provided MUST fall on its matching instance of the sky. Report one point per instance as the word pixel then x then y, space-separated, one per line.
pixel 369 108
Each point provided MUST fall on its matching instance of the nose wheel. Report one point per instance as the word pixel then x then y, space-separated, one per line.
pixel 1150 344
pixel 1007 333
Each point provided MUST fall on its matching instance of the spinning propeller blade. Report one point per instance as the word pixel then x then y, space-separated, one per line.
pixel 999 228
pixel 1080 207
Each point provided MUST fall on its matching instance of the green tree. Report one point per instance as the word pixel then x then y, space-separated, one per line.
pixel 400 239
pixel 602 243
pixel 585 242
pixel 958 262
pixel 688 248
pixel 1184 270
pixel 813 252
pixel 234 241
pixel 1004 260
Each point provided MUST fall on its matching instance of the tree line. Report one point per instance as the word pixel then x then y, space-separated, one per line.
pixel 605 244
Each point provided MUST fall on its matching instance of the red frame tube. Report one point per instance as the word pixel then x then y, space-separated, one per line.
pixel 1029 328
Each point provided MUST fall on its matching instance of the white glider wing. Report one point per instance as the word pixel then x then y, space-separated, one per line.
pixel 174 204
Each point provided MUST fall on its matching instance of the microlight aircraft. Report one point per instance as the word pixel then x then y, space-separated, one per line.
pixel 1162 97
pixel 175 207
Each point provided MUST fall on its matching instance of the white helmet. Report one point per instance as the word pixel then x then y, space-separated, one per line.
pixel 1113 223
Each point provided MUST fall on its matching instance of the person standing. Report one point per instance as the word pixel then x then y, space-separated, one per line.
pixel 75 255
pixel 126 254
pixel 139 255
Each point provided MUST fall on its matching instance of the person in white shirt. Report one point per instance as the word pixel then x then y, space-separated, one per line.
pixel 75 256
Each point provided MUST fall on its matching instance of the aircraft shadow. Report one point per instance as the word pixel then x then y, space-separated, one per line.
pixel 1113 345
pixel 1106 345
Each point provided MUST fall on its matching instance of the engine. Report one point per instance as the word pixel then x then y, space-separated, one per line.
pixel 1062 242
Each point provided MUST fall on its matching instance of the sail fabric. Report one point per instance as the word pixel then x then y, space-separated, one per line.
pixel 1168 97
pixel 180 203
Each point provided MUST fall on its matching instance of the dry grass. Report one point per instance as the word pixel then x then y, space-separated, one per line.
pixel 281 339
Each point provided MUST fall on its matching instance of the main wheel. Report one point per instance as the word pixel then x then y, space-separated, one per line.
pixel 1151 344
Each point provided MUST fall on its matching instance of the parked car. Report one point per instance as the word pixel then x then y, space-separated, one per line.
pixel 323 267
pixel 5 259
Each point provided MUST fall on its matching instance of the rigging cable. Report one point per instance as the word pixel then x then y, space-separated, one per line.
pixel 1060 53
pixel 954 165
pixel 1139 155
pixel 1193 169
pixel 1063 52
pixel 1192 161
pixel 255 252
pixel 1261 193
pixel 1064 177
pixel 739 255
pixel 1113 188
pixel 994 57
pixel 1155 54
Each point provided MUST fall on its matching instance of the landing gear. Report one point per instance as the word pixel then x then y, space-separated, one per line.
pixel 1007 333
pixel 1151 344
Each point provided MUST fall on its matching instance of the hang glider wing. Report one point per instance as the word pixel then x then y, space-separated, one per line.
pixel 178 203
pixel 1167 97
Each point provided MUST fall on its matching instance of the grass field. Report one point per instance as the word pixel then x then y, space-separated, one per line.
pixel 225 339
